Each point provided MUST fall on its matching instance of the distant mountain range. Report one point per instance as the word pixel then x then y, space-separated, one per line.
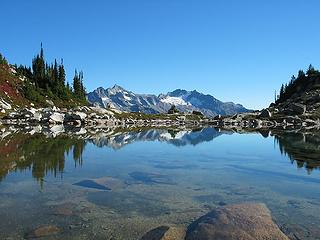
pixel 185 101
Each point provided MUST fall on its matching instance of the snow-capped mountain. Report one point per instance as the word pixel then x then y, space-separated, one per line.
pixel 206 104
pixel 124 100
pixel 185 101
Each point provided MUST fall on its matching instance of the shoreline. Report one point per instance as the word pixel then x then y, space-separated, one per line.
pixel 100 118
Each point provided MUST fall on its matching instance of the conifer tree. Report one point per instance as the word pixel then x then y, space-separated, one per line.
pixel 310 70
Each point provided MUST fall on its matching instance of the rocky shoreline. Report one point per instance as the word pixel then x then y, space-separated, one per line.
pixel 97 117
pixel 88 116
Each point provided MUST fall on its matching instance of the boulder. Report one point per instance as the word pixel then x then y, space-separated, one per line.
pixel 4 105
pixel 37 116
pixel 49 102
pixel 56 117
pixel 248 221
pixel 296 109
pixel 74 116
pixel 13 115
pixel 265 113
pixel 165 233
pixel 57 129
pixel 31 113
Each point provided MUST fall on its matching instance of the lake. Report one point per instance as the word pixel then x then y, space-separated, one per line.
pixel 119 184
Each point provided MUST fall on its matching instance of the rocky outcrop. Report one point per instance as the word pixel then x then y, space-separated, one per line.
pixel 295 109
pixel 249 221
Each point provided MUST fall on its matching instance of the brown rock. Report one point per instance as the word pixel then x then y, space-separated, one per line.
pixel 43 231
pixel 165 233
pixel 65 209
pixel 250 221
pixel 110 182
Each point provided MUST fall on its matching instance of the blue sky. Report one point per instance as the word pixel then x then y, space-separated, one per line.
pixel 237 51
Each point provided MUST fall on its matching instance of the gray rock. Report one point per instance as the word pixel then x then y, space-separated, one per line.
pixel 296 109
pixel 56 117
pixel 265 113
pixel 4 105
pixel 75 116
pixel 50 102
pixel 57 129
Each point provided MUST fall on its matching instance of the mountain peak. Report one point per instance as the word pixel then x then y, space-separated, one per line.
pixel 117 87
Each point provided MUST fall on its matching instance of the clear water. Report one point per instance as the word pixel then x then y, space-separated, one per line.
pixel 119 185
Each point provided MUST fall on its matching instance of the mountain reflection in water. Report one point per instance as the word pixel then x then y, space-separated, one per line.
pixel 43 154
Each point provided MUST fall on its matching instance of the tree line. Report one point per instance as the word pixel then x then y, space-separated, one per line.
pixel 49 79
pixel 304 81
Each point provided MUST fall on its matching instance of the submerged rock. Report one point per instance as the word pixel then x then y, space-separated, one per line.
pixel 104 183
pixel 249 221
pixel 65 209
pixel 164 233
pixel 91 184
pixel 42 231
pixel 155 234
pixel 150 178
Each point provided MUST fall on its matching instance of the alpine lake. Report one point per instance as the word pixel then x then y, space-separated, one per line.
pixel 120 184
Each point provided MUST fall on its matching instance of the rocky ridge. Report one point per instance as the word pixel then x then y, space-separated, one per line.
pixel 185 101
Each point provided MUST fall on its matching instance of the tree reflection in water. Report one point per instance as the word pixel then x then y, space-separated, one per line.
pixel 39 154
pixel 301 148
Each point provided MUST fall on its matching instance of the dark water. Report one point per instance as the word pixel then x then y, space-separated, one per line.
pixel 120 184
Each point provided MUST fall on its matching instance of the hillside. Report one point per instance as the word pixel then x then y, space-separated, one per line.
pixel 41 85
pixel 301 96
pixel 11 88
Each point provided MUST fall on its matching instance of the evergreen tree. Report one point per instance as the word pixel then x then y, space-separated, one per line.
pixel 78 87
pixel 281 94
pixel 301 74
pixel 310 70
pixel 39 69
pixel 62 73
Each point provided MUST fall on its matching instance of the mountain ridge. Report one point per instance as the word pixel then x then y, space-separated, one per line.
pixel 185 101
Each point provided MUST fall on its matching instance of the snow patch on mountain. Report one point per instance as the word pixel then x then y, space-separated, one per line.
pixel 174 101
